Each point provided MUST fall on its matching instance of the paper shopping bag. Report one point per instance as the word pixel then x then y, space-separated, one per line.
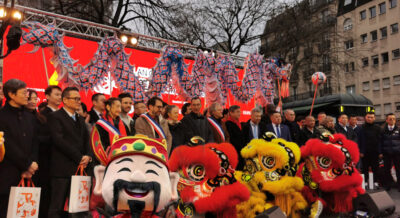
pixel 80 192
pixel 24 201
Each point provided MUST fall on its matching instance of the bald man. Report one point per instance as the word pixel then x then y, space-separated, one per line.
pixel 290 121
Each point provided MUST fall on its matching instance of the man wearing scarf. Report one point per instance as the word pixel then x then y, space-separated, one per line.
pixel 195 124
pixel 234 128
pixel 151 125
pixel 219 128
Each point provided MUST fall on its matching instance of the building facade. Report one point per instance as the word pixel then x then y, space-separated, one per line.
pixel 371 38
pixel 304 35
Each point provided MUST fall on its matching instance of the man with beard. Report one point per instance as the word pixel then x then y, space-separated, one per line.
pixel 134 179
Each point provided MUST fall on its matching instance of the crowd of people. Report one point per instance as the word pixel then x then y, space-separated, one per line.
pixel 48 143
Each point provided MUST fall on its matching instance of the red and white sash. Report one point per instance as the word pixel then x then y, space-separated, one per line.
pixel 218 127
pixel 155 125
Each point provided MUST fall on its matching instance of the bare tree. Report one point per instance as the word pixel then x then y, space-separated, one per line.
pixel 225 25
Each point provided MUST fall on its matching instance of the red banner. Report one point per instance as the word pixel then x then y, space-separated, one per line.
pixel 37 71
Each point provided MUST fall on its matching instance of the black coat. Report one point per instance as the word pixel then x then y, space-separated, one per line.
pixel 391 140
pixel 237 139
pixel 93 117
pixel 248 131
pixel 306 134
pixel 370 139
pixel 177 135
pixel 195 125
pixel 294 130
pixel 70 143
pixel 21 145
pixel 350 133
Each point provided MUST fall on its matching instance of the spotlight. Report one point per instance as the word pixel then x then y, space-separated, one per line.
pixel 124 38
pixel 16 15
pixel 134 40
pixel 205 52
pixel 3 13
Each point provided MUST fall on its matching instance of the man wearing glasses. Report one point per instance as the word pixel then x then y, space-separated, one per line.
pixel 151 125
pixel 70 148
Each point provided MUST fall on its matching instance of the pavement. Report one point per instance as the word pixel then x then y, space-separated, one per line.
pixel 396 198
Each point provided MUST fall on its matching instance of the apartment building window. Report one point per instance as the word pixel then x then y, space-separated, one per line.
pixel 387 108
pixel 394 28
pixel 397 104
pixel 364 62
pixel 385 58
pixel 346 67
pixel 375 60
pixel 347 2
pixel 376 85
pixel 364 38
pixel 366 86
pixel 383 32
pixel 396 53
pixel 363 15
pixel 386 83
pixel 377 109
pixel 374 35
pixel 382 8
pixel 351 89
pixel 392 3
pixel 396 80
pixel 349 44
pixel 372 12
pixel 352 66
pixel 347 24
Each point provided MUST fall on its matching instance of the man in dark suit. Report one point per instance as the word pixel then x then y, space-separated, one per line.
pixel 290 121
pixel 341 127
pixel 195 124
pixel 309 131
pixel 253 129
pixel 53 99
pixel 218 126
pixel 99 106
pixel 353 124
pixel 21 145
pixel 70 148
pixel 235 132
pixel 126 106
pixel 276 126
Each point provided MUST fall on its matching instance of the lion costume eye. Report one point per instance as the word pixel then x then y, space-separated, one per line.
pixel 196 172
pixel 268 162
pixel 324 162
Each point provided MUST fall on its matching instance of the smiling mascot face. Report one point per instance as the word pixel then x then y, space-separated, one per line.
pixel 135 179
pixel 207 182
pixel 330 170
pixel 269 173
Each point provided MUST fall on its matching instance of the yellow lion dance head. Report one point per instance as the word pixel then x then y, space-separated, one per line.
pixel 270 174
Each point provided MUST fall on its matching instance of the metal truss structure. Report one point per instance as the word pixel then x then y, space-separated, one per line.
pixel 94 31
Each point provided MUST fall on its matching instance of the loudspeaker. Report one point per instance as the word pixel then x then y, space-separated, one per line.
pixel 375 203
pixel 273 212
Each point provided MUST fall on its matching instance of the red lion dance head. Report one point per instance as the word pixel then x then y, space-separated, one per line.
pixel 207 182
pixel 329 172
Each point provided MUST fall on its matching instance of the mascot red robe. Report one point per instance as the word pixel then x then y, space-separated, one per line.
pixel 207 183
pixel 329 174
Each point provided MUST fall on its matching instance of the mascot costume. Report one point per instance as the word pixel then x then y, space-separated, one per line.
pixel 133 179
pixel 207 185
pixel 329 174
pixel 270 173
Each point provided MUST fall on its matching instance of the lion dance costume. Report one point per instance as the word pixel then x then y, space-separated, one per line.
pixel 270 173
pixel 329 173
pixel 207 183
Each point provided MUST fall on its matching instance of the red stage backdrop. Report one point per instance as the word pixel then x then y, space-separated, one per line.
pixel 32 69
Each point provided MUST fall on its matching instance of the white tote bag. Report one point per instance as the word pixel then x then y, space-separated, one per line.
pixel 80 192
pixel 24 200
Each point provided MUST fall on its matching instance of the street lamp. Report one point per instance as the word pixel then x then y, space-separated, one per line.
pixel 10 16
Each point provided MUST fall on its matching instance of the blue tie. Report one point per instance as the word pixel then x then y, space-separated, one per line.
pixel 73 117
pixel 278 131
